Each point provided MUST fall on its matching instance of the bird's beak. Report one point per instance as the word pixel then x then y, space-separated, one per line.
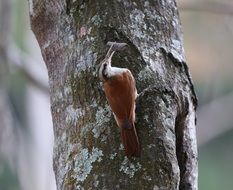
pixel 115 46
pixel 110 57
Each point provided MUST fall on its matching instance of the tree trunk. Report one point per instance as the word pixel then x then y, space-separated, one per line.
pixel 88 152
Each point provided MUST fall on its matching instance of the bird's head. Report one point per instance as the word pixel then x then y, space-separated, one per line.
pixel 114 46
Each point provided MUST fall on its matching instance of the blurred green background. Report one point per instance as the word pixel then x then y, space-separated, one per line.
pixel 208 42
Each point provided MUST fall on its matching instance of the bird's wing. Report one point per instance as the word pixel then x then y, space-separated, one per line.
pixel 120 91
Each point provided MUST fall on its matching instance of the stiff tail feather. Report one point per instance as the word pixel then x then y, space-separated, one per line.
pixel 130 139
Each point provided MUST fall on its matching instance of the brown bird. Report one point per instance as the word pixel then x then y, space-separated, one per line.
pixel 121 93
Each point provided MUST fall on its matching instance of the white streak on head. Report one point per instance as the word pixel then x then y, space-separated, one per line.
pixel 117 71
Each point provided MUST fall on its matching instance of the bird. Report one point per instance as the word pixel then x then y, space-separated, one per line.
pixel 120 90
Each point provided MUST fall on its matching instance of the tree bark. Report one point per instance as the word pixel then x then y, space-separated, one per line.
pixel 88 152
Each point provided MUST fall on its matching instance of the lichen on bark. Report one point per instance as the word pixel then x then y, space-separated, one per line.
pixel 88 152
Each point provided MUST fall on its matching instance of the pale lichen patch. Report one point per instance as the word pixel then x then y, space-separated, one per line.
pixel 57 97
pixel 86 60
pixel 121 147
pixel 67 91
pixel 137 18
pixel 129 168
pixel 146 118
pixel 146 3
pixel 84 161
pixel 73 115
pixel 113 155
pixel 62 95
pixel 99 127
pixel 68 40
pixel 103 115
pixel 177 50
pixel 96 20
pixel 79 187
pixel 158 66
pixel 145 73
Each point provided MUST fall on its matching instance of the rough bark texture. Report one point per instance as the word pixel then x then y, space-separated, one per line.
pixel 88 153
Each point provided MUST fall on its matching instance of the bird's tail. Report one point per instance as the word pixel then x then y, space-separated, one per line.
pixel 130 139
